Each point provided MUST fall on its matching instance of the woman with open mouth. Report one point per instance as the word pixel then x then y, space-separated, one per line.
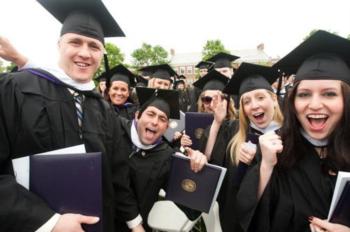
pixel 292 188
pixel 233 144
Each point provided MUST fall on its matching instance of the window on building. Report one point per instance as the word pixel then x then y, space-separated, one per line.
pixel 182 70
pixel 189 70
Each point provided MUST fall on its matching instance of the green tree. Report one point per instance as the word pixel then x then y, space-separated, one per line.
pixel 10 66
pixel 6 67
pixel 115 57
pixel 348 36
pixel 2 68
pixel 149 55
pixel 212 47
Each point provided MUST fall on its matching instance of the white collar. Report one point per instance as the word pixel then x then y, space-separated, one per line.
pixel 315 142
pixel 136 139
pixel 62 76
pixel 271 127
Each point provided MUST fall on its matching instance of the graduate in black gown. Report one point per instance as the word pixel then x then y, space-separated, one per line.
pixel 184 97
pixel 296 178
pixel 203 68
pixel 211 86
pixel 119 88
pixel 160 77
pixel 148 158
pixel 223 64
pixel 38 113
pixel 101 86
pixel 228 143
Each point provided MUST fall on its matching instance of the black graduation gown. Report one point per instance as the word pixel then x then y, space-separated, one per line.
pixel 139 177
pixel 184 100
pixel 126 111
pixel 194 95
pixel 290 197
pixel 146 172
pixel 227 200
pixel 227 195
pixel 37 115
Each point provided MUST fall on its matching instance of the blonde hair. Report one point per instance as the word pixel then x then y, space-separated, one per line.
pixel 240 137
pixel 231 113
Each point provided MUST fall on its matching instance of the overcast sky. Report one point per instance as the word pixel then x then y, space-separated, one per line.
pixel 185 25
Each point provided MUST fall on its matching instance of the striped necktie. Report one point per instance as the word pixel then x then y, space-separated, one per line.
pixel 78 100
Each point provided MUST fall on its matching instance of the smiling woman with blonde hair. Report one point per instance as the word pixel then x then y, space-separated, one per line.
pixel 227 145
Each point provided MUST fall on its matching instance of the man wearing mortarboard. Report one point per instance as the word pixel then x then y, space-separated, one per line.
pixel 160 76
pixel 223 63
pixel 204 67
pixel 148 158
pixel 40 111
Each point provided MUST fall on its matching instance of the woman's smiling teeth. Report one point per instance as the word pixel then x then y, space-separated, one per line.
pixel 258 115
pixel 317 120
pixel 82 65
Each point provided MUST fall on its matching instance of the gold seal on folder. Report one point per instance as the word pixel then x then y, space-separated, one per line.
pixel 188 185
pixel 198 133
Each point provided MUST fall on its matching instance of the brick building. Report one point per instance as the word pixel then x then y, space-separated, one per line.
pixel 184 63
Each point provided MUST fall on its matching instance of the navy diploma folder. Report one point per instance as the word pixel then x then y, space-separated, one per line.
pixel 69 183
pixel 194 190
pixel 341 213
pixel 195 124
pixel 175 125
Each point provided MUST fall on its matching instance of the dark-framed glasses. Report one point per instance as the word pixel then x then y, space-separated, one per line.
pixel 207 99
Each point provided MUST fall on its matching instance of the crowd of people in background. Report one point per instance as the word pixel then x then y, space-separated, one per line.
pixel 282 131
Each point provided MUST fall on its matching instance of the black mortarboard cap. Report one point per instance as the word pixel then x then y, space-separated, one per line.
pixel 102 77
pixel 145 72
pixel 121 73
pixel 85 17
pixel 205 65
pixel 163 99
pixel 249 77
pixel 213 80
pixel 222 60
pixel 322 56
pixel 140 81
pixel 177 82
pixel 162 71
pixel 181 77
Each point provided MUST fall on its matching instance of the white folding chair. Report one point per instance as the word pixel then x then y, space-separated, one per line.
pixel 166 216
pixel 212 219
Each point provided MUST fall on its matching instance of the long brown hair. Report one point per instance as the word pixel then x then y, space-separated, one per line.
pixel 338 148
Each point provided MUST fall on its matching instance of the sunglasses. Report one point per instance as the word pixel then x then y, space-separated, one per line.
pixel 207 99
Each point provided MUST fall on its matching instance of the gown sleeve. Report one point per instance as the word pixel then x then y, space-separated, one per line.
pixel 126 203
pixel 274 209
pixel 225 134
pixel 20 209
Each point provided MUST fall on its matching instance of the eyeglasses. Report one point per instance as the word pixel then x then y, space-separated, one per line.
pixel 207 99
